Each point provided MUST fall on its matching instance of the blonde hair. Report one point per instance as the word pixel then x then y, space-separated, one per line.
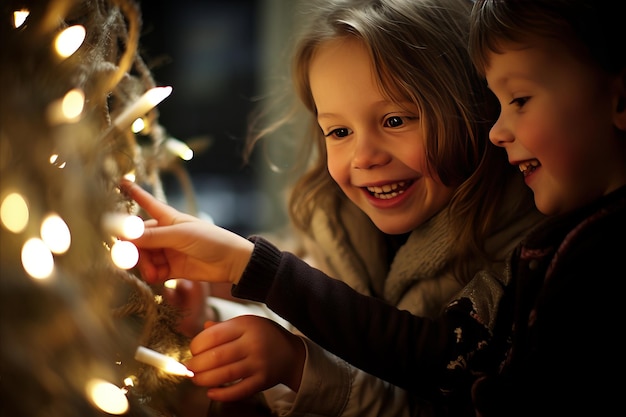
pixel 419 50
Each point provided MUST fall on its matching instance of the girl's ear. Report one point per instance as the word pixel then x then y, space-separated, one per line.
pixel 619 116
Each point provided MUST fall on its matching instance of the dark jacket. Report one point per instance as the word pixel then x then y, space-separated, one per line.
pixel 551 351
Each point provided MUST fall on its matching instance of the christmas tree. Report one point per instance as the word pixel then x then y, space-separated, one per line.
pixel 77 114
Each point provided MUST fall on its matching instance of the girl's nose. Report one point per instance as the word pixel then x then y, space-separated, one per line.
pixel 369 153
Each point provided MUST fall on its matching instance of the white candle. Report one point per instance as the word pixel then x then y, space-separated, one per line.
pixel 142 106
pixel 163 362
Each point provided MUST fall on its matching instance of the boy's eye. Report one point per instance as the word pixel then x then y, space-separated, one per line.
pixel 394 121
pixel 520 101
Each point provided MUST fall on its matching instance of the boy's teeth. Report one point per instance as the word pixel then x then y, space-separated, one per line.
pixel 527 167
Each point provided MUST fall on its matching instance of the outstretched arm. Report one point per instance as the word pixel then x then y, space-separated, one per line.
pixel 406 350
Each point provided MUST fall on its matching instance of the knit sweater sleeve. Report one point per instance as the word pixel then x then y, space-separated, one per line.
pixel 369 333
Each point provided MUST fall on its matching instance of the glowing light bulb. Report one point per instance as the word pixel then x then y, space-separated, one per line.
pixel 19 17
pixel 163 362
pixel 56 234
pixel 57 162
pixel 124 225
pixel 107 396
pixel 130 176
pixel 67 109
pixel 179 148
pixel 138 125
pixel 73 103
pixel 14 212
pixel 142 106
pixel 37 259
pixel 124 254
pixel 69 40
pixel 171 284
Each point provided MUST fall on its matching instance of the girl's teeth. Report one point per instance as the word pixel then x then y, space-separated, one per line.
pixel 388 191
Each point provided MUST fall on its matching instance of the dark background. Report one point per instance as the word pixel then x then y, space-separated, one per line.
pixel 211 53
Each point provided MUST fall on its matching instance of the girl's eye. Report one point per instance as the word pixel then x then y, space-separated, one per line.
pixel 342 132
pixel 520 101
pixel 394 121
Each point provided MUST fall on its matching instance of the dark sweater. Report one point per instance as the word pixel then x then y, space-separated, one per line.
pixel 563 299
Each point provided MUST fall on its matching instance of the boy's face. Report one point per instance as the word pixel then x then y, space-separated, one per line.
pixel 556 124
pixel 375 146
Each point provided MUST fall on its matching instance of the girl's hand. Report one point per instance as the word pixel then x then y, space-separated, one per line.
pixel 239 357
pixel 178 245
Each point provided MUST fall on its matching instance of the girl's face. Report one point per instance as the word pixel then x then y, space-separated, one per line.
pixel 557 124
pixel 375 146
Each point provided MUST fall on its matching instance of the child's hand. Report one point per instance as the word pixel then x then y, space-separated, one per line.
pixel 190 298
pixel 245 355
pixel 178 245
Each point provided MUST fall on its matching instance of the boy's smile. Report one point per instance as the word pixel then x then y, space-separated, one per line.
pixel 555 120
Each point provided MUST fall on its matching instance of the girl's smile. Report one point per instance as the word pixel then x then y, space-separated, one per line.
pixel 374 144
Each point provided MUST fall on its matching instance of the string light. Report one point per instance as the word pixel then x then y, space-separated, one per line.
pixel 55 161
pixel 64 108
pixel 37 259
pixel 123 225
pixel 107 397
pixel 124 254
pixel 67 109
pixel 138 125
pixel 179 148
pixel 19 17
pixel 163 362
pixel 55 234
pixel 171 284
pixel 69 40
pixel 130 176
pixel 14 212
pixel 146 102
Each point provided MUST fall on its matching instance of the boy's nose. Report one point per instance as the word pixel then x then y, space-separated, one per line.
pixel 499 135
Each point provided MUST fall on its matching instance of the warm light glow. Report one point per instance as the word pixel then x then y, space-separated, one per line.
pixel 129 382
pixel 142 106
pixel 130 176
pixel 73 103
pixel 19 17
pixel 171 284
pixel 56 234
pixel 124 254
pixel 37 259
pixel 179 149
pixel 69 40
pixel 54 160
pixel 123 225
pixel 163 362
pixel 67 109
pixel 14 212
pixel 107 397
pixel 138 125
